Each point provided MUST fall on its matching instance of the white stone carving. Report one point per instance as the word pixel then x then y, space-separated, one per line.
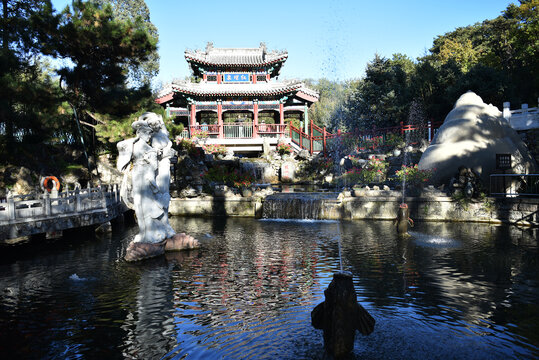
pixel 145 162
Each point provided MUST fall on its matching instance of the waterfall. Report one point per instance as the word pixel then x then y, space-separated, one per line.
pixel 262 171
pixel 312 206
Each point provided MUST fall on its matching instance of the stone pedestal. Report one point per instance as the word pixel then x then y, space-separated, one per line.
pixel 137 251
pixel 181 242
pixel 340 316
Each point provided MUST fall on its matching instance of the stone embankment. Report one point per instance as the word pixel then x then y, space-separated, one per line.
pixel 372 205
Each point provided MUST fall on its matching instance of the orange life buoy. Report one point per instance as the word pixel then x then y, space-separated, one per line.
pixel 46 183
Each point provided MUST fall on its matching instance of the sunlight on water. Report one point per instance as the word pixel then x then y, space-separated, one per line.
pixel 433 240
pixel 300 221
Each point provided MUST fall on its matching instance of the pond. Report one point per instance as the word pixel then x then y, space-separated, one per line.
pixel 450 291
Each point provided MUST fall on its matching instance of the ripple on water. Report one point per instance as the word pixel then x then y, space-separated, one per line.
pixel 448 290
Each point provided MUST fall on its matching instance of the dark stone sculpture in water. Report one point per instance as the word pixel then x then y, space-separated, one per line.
pixel 403 219
pixel 340 315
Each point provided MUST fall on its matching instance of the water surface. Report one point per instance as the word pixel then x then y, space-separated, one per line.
pixel 450 291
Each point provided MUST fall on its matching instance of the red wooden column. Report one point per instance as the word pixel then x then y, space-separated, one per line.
pixel 281 119
pixel 324 135
pixel 204 77
pixel 255 118
pixel 193 114
pixel 220 118
pixel 254 78
pixel 219 77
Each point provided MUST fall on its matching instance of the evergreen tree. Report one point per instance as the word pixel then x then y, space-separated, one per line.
pixel 133 10
pixel 19 66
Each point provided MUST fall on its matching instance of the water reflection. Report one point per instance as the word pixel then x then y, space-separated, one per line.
pixel 448 291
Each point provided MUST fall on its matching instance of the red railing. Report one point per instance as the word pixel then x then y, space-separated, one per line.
pixel 208 130
pixel 317 139
pixel 238 130
pixel 271 130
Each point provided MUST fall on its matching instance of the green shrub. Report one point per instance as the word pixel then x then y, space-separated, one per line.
pixel 226 175
pixel 373 171
pixel 412 175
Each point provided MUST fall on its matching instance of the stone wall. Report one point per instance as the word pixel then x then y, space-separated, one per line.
pixel 216 206
pixel 493 210
pixel 523 211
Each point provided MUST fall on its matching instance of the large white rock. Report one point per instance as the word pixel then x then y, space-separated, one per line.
pixel 471 135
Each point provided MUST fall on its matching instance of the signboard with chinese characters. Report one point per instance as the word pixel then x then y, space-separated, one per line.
pixel 288 171
pixel 236 77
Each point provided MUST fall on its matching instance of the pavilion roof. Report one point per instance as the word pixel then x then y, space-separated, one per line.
pixel 215 90
pixel 236 57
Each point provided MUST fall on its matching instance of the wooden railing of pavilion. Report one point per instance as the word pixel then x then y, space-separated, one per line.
pixel 315 141
pixel 319 138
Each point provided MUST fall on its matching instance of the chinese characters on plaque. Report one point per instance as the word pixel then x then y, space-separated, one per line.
pixel 236 77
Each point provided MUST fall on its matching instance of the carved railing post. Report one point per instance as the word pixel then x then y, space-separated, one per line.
pixel 103 195
pixel 11 210
pixel 115 193
pixel 78 205
pixel 46 203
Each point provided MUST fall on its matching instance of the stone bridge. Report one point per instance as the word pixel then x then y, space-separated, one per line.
pixel 24 215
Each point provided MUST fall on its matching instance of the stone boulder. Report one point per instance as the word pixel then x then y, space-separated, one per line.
pixel 24 183
pixel 471 135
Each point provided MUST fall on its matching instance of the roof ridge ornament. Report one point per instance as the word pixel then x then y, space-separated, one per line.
pixel 264 49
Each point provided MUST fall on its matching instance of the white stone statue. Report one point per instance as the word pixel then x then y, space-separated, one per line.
pixel 162 144
pixel 145 162
pixel 140 159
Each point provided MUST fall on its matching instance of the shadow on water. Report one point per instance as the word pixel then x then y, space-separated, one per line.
pixel 249 291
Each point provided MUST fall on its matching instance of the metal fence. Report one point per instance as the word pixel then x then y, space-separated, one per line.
pixel 514 185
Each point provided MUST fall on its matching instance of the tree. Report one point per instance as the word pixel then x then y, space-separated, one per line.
pixel 331 93
pixel 382 98
pixel 463 53
pixel 133 10
pixel 19 65
pixel 98 47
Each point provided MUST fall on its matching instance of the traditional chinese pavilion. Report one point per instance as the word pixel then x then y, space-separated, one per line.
pixel 236 98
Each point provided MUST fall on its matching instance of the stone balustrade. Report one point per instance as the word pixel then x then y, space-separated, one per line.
pixel 525 118
pixel 22 215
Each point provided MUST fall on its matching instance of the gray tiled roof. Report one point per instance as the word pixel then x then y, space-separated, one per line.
pixel 258 89
pixel 236 56
pixel 213 89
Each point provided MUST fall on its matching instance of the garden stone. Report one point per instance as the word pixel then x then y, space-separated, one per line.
pixel 304 155
pixel 346 163
pixel 188 192
pixel 104 228
pixel 362 162
pixel 288 171
pixel 266 148
pixel 229 154
pixel 472 133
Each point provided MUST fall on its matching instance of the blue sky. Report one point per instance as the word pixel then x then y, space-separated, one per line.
pixel 332 39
